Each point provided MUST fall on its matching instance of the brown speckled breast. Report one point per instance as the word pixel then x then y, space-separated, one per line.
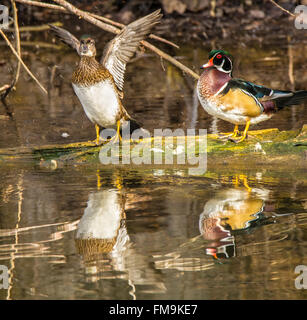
pixel 210 81
pixel 90 72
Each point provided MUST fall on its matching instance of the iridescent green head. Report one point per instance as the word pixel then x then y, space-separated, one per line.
pixel 221 60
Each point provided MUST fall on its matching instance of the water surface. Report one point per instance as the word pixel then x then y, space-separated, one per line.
pixel 151 234
pixel 90 232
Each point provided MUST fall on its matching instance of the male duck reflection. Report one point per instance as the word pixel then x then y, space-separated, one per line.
pixel 238 101
pixel 230 210
pixel 99 86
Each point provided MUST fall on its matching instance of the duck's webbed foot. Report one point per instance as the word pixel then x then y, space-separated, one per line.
pixel 234 134
pixel 244 136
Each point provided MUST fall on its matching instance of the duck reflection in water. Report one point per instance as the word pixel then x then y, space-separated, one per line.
pixel 102 227
pixel 230 211
pixel 105 246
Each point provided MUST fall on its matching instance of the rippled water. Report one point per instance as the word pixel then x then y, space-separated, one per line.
pixel 154 234
pixel 88 232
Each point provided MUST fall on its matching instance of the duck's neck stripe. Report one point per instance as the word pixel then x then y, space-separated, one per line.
pixel 221 89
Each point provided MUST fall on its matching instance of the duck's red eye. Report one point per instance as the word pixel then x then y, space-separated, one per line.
pixel 219 56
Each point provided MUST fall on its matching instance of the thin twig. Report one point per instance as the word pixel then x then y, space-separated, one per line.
pixel 283 9
pixel 113 29
pixel 151 36
pixel 162 64
pixel 37 28
pixel 59 8
pixel 41 44
pixel 5 87
pixel 37 44
pixel 17 45
pixel 23 64
pixel 109 21
pixel 170 59
pixel 290 65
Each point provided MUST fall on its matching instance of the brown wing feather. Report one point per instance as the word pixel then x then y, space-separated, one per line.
pixel 65 36
pixel 119 50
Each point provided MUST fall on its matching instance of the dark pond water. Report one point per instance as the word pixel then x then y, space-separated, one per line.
pixel 154 233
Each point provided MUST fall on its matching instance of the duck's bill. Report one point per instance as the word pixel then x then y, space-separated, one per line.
pixel 207 65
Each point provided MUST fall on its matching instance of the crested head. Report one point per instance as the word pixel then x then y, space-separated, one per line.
pixel 220 60
pixel 222 52
pixel 87 46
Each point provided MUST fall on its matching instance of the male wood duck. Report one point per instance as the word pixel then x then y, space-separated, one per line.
pixel 99 85
pixel 237 101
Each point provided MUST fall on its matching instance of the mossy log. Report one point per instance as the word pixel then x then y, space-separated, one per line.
pixel 269 147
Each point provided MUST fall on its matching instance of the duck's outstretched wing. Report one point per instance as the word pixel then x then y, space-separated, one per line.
pixel 66 37
pixel 119 50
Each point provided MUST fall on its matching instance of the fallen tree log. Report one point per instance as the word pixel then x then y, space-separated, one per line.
pixel 263 147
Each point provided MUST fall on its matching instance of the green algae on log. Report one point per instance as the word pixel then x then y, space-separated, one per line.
pixel 268 147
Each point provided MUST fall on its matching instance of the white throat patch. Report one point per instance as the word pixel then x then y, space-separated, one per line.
pixel 89 53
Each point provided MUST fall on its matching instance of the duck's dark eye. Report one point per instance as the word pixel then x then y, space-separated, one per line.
pixel 218 60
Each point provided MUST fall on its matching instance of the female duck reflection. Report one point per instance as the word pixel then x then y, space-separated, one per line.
pixel 230 210
pixel 102 227
pixel 104 244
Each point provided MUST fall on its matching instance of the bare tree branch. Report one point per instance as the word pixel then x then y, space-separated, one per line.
pixel 17 45
pixel 283 9
pixel 23 64
pixel 109 21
